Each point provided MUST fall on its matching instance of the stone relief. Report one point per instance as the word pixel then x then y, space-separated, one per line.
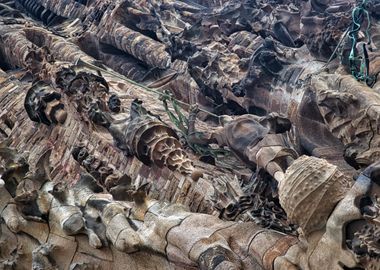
pixel 189 134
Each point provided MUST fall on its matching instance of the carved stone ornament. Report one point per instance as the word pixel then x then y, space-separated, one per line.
pixel 197 134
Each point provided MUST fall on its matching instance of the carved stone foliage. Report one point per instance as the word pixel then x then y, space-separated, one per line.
pixel 271 164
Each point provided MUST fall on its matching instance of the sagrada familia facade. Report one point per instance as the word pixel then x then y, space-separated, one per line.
pixel 191 134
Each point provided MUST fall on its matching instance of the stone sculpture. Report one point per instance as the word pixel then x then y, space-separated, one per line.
pixel 267 159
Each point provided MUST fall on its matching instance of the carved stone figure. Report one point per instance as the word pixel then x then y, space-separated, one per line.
pixel 189 134
pixel 266 147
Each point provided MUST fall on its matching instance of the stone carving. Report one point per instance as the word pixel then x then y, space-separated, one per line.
pixel 119 222
pixel 43 104
pixel 95 175
pixel 360 109
pixel 151 140
pixel 267 147
pixel 130 225
pixel 322 188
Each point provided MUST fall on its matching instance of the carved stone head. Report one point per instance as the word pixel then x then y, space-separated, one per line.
pixel 339 224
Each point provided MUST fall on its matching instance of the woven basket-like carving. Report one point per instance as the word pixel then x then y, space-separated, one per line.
pixel 311 189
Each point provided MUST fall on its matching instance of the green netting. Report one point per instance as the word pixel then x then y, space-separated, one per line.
pixel 182 124
pixel 358 57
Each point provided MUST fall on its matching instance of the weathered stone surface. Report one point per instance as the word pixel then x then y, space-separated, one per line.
pixel 242 90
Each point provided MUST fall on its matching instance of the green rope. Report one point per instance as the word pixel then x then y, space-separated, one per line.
pixel 337 47
pixel 208 151
pixel 177 120
pixel 182 124
pixel 180 121
pixel 143 87
pixel 359 65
